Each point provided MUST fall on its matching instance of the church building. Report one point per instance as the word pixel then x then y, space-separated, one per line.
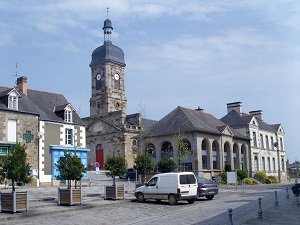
pixel 109 129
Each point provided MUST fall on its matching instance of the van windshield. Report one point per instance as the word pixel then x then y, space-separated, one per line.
pixel 187 179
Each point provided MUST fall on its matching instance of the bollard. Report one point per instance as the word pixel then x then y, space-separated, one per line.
pixel 128 181
pixel 287 192
pixel 259 211
pixel 276 199
pixel 230 216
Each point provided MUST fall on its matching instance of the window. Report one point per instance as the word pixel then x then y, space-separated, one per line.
pixel 262 141
pixel 274 165
pixel 204 155
pixel 12 131
pixel 153 181
pixel 69 136
pixel 267 142
pixel 263 163
pixel 254 139
pixel 68 116
pixel 281 144
pixel 12 102
pixel 187 179
pixel 272 143
pixel 255 163
pixel 269 164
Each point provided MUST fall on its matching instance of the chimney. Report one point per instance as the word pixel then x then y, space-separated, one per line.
pixel 236 106
pixel 257 113
pixel 22 84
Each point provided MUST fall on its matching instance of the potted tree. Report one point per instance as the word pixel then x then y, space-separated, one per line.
pixel 115 165
pixel 15 169
pixel 70 169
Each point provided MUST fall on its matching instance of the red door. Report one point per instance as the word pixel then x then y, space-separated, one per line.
pixel 100 156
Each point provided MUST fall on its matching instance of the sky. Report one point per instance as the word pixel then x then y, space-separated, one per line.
pixel 178 53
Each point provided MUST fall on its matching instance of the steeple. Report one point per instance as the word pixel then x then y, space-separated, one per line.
pixel 107 28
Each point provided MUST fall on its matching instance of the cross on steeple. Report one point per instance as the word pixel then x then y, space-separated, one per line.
pixel 107 10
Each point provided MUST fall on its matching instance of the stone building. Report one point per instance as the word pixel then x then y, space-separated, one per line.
pixel 109 129
pixel 267 148
pixel 46 123
pixel 212 143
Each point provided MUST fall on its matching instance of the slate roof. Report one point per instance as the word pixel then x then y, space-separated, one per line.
pixel 108 52
pixel 40 103
pixel 234 119
pixel 188 120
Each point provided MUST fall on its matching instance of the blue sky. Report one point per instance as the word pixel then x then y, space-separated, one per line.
pixel 177 53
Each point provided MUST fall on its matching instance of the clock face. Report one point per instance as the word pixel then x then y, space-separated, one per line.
pixel 98 77
pixel 117 77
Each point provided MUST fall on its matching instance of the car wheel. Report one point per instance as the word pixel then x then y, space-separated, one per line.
pixel 191 201
pixel 172 200
pixel 140 197
pixel 209 197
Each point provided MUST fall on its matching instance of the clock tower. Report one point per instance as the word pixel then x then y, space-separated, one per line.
pixel 107 77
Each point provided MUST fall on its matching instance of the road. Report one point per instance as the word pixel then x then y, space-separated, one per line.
pixel 129 212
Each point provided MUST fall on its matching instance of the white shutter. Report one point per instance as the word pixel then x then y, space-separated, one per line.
pixel 12 131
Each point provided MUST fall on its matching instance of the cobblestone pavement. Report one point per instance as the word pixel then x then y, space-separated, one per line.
pixel 96 210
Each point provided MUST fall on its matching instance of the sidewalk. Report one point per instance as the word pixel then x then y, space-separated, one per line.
pixel 285 213
pixel 43 200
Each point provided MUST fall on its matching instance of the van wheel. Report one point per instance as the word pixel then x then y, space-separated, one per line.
pixel 172 200
pixel 191 201
pixel 140 197
pixel 209 197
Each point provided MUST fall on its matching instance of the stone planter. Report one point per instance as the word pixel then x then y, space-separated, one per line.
pixel 70 196
pixel 114 192
pixel 14 201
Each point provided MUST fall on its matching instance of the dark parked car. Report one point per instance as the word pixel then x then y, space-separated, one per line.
pixel 131 174
pixel 206 188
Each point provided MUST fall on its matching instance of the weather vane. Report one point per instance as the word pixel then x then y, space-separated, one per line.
pixel 107 10
pixel 16 75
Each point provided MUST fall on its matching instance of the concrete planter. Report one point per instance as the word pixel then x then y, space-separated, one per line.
pixel 14 201
pixel 114 192
pixel 70 196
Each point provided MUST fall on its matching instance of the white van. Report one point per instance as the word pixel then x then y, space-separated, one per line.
pixel 169 186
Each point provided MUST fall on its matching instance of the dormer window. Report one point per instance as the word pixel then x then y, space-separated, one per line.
pixel 13 101
pixel 68 116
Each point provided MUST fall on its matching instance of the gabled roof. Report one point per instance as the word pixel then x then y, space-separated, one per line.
pixel 8 91
pixel 63 107
pixel 234 119
pixel 41 103
pixel 187 120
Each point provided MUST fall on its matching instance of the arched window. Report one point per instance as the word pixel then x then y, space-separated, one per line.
pixel 204 148
pixel 167 150
pixel 150 149
pixel 215 155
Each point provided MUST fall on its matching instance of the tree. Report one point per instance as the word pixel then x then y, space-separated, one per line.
pixel 115 165
pixel 70 168
pixel 166 164
pixel 15 166
pixel 181 146
pixel 143 164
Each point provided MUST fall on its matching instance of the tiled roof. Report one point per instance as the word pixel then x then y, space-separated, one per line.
pixel 41 103
pixel 188 120
pixel 234 119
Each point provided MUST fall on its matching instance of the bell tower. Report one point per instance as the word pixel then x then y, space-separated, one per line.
pixel 107 77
